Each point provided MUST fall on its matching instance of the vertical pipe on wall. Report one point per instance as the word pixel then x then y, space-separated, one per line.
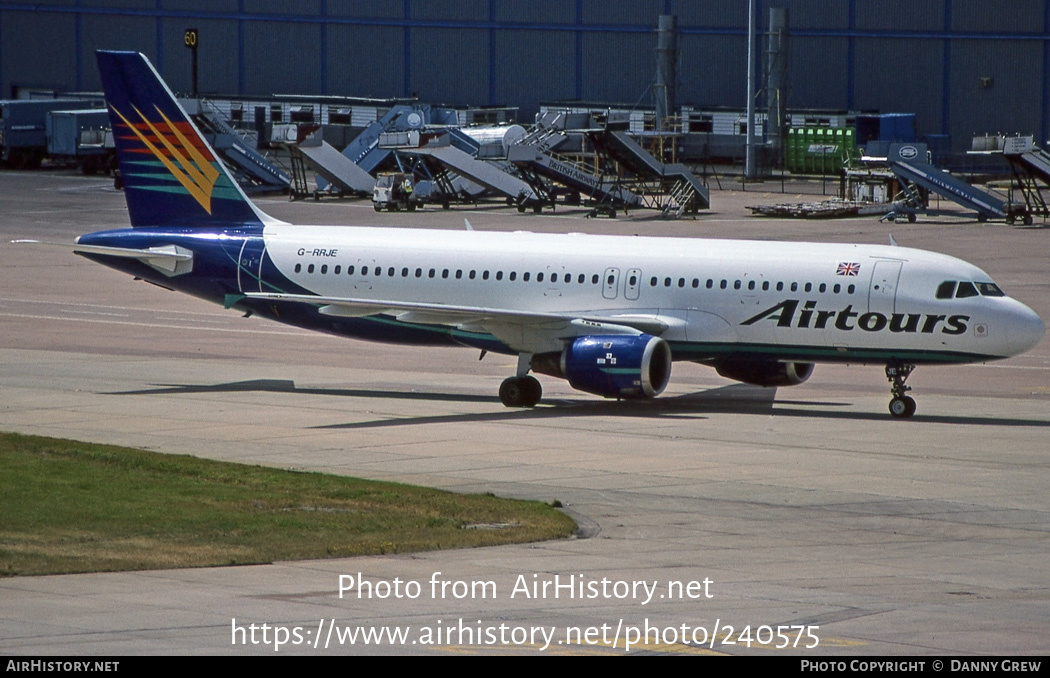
pixel 323 48
pixel 159 58
pixel 240 46
pixel 406 56
pixel 851 62
pixel 1044 118
pixel 78 49
pixel 946 72
pixel 666 57
pixel 492 52
pixel 776 79
pixel 579 50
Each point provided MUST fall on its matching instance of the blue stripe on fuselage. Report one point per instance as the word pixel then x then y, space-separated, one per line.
pixel 219 271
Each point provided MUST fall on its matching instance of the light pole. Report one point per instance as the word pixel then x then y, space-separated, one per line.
pixel 750 170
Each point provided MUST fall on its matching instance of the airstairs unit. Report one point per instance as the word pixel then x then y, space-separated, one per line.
pixel 607 193
pixel 1030 166
pixel 310 153
pixel 916 175
pixel 686 190
pixel 621 174
pixel 447 149
pixel 253 171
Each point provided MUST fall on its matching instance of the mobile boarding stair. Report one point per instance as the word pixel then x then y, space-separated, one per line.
pixel 253 171
pixel 453 154
pixel 606 191
pixel 685 193
pixel 1030 165
pixel 310 153
pixel 918 178
pixel 364 150
pixel 538 162
pixel 672 188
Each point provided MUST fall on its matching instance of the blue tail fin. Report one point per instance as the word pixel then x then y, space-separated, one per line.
pixel 171 175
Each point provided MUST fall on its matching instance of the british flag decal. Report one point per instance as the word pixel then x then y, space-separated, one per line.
pixel 848 268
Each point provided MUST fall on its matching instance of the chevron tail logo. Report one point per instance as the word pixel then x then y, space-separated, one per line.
pixel 192 165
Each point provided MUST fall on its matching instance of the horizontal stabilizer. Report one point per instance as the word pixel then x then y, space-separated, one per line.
pixel 171 260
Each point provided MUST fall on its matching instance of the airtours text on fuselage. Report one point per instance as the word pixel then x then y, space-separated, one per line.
pixel 788 314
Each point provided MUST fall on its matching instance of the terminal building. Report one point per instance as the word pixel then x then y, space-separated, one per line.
pixel 961 67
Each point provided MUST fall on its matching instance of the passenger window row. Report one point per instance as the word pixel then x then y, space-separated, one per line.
pixel 753 285
pixel 458 274
pixel 568 278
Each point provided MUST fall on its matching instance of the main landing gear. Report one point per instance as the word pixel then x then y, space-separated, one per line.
pixel 521 390
pixel 901 406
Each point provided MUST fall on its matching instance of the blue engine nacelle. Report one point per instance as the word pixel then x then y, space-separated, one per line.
pixel 612 366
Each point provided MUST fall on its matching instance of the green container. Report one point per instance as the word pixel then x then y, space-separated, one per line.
pixel 791 152
pixel 815 149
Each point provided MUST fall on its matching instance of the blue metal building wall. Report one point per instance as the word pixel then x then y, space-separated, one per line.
pixel 366 59
pixel 22 59
pixel 892 55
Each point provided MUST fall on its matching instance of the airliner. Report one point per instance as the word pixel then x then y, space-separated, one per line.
pixel 610 314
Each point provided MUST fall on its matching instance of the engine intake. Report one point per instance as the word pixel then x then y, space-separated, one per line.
pixel 612 366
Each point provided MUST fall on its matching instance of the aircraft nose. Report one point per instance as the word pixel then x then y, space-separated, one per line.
pixel 1027 330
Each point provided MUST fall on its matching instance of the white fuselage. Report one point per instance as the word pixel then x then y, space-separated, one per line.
pixel 827 301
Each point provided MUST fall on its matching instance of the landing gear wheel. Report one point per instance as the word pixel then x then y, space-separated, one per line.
pixel 520 392
pixel 902 407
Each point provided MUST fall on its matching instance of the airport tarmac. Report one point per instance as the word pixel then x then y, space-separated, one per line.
pixel 712 509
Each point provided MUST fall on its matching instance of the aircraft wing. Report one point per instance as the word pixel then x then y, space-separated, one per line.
pixel 523 331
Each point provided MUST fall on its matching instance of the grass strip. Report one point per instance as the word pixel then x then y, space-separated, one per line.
pixel 67 506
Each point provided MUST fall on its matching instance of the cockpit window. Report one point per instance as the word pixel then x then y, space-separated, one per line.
pixel 961 290
pixel 990 289
pixel 946 290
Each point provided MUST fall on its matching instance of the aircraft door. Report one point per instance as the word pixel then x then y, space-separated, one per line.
pixel 249 265
pixel 882 295
pixel 611 283
pixel 633 284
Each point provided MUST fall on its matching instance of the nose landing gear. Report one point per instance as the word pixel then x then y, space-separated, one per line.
pixel 901 406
